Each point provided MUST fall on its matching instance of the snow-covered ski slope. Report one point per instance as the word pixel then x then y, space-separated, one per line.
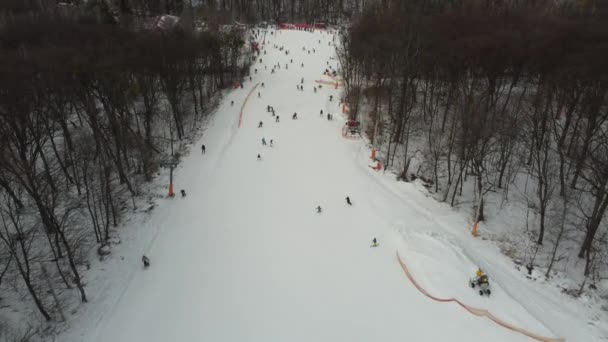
pixel 246 257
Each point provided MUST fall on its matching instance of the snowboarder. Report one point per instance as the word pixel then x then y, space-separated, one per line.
pixel 319 209
pixel 348 200
pixel 183 192
pixel 146 261
pixel 276 119
pixel 294 116
pixel 203 148
pixel 260 124
pixel 263 141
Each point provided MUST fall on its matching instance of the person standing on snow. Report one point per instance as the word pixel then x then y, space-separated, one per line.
pixel 259 157
pixel 348 200
pixel 294 116
pixel 260 124
pixel 271 143
pixel 203 149
pixel 263 142
pixel 318 209
pixel 277 119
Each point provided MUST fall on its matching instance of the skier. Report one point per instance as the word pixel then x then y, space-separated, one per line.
pixel 291 61
pixel 331 97
pixel 328 116
pixel 315 89
pixel 321 112
pixel 302 80
pixel 183 192
pixel 259 157
pixel 318 209
pixel 294 116
pixel 276 119
pixel 255 71
pixel 268 109
pixel 348 200
pixel 203 148
pixel 232 103
pixel 260 124
pixel 374 243
pixel 146 261
pixel 263 141
pixel 262 84
pixel 271 143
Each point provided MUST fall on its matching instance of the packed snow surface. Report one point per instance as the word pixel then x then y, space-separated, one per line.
pixel 246 257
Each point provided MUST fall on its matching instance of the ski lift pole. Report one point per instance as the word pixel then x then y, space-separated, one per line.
pixel 171 164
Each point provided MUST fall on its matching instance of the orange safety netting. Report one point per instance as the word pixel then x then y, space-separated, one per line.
pixel 244 103
pixel 328 82
pixel 475 311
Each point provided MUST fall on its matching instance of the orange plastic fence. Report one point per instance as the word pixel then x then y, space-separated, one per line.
pixel 329 82
pixel 244 103
pixel 475 311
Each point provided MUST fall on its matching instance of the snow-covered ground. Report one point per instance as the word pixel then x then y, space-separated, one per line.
pixel 246 257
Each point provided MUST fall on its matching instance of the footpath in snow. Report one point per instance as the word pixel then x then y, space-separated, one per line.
pixel 246 257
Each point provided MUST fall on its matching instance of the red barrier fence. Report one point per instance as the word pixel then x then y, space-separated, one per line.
pixel 291 26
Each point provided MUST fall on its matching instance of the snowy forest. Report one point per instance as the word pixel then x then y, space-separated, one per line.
pixel 88 114
pixel 501 95
pixel 476 99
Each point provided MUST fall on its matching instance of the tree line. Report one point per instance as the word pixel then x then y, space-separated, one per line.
pixel 496 91
pixel 88 112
